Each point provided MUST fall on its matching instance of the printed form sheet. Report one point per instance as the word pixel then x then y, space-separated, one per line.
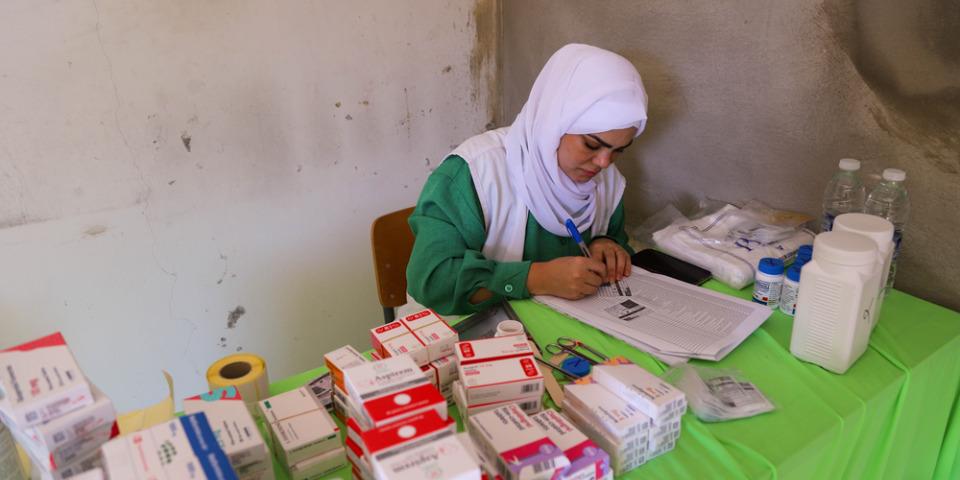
pixel 665 317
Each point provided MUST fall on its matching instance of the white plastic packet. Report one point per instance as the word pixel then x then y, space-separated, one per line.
pixel 716 394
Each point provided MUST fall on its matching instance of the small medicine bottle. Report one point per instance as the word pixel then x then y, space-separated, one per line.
pixel 791 286
pixel 768 282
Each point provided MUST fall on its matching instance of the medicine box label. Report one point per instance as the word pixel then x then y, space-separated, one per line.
pixel 521 449
pixel 498 380
pixel 651 394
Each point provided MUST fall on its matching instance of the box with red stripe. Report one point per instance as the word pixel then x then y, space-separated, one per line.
pixel 421 446
pixel 390 390
pixel 587 460
pixel 433 332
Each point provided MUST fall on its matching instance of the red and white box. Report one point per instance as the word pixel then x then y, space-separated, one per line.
pixel 341 359
pixel 394 339
pixel 442 371
pixel 40 381
pixel 651 394
pixel 498 369
pixel 360 466
pixel 391 389
pixel 488 470
pixel 433 332
pixel 418 445
pixel 587 460
pixel 233 427
pixel 520 449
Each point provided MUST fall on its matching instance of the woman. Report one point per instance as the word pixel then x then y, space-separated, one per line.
pixel 489 223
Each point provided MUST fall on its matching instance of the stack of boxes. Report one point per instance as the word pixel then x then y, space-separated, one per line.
pixel 303 436
pixel 235 430
pixel 182 448
pixel 427 339
pixel 496 372
pixel 587 460
pixel 629 412
pixel 337 361
pixel 48 405
pixel 397 424
pixel 518 448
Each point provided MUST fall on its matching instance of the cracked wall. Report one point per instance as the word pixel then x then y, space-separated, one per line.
pixel 183 180
pixel 768 96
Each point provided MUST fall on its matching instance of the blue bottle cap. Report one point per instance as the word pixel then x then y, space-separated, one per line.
pixel 771 266
pixel 805 252
pixel 793 273
pixel 576 366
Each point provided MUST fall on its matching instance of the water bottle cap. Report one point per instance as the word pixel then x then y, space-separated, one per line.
pixel 849 164
pixel 793 273
pixel 844 248
pixel 770 266
pixel 894 175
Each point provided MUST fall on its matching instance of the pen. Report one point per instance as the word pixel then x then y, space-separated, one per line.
pixel 575 234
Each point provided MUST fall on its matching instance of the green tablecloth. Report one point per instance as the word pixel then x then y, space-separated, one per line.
pixel 894 414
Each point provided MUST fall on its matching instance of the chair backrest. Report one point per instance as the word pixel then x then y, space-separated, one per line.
pixel 392 242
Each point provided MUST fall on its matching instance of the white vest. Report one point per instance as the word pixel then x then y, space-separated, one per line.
pixel 504 215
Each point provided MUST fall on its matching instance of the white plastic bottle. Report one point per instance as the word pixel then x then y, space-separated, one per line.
pixel 844 193
pixel 791 287
pixel 889 200
pixel 768 282
pixel 881 232
pixel 836 299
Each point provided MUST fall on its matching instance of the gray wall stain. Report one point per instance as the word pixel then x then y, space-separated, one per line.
pixel 234 316
pixel 185 138
pixel 95 230
pixel 768 96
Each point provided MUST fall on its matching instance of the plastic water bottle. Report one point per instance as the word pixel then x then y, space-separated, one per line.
pixel 889 200
pixel 844 193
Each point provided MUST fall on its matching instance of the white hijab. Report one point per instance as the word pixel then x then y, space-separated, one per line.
pixel 581 89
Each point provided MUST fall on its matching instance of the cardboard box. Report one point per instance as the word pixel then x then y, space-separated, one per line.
pixel 620 418
pixel 66 453
pixel 93 474
pixel 518 446
pixel 442 371
pixel 288 404
pixel 320 465
pixel 492 348
pixel 40 381
pixel 181 448
pixel 48 437
pixel 652 395
pixel 423 443
pixel 623 452
pixel 587 460
pixel 391 389
pixel 487 469
pixel 529 405
pixel 339 360
pixel 394 339
pixel 306 435
pixel 232 425
pixel 432 332
pixel 487 381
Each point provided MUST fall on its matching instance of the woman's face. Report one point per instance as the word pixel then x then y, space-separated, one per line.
pixel 583 156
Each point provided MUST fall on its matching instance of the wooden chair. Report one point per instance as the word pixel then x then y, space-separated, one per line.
pixel 392 243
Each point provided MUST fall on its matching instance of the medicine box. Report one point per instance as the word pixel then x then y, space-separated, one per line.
pixel 442 371
pixel 232 425
pixel 653 396
pixel 40 381
pixel 529 405
pixel 287 404
pixel 339 360
pixel 486 381
pixel 405 450
pixel 66 453
pixel 432 332
pixel 587 460
pixel 303 436
pixel 520 449
pixel 319 465
pixel 394 339
pixel 492 348
pixel 617 416
pixel 60 431
pixel 391 389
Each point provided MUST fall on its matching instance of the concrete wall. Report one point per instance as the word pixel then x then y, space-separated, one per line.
pixel 757 99
pixel 180 180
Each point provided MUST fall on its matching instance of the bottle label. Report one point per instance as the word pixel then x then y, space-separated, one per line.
pixel 767 292
pixel 827 224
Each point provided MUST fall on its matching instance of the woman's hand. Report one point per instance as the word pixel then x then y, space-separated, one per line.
pixel 613 256
pixel 566 277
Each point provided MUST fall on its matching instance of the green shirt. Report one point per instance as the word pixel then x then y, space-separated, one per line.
pixel 446 266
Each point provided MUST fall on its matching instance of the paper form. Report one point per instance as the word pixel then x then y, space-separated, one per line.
pixel 664 316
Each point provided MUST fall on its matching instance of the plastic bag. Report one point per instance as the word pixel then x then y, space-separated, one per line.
pixel 729 240
pixel 717 395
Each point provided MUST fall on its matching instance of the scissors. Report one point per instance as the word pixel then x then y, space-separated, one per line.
pixel 571 345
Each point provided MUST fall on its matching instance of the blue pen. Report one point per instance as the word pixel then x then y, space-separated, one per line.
pixel 575 234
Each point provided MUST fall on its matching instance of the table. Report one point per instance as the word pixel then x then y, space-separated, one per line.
pixel 894 414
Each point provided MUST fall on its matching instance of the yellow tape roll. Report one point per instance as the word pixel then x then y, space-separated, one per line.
pixel 245 371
